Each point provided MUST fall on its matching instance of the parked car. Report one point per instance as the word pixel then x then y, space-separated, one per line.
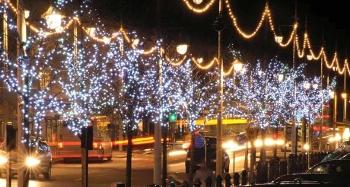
pixel 39 161
pixel 206 153
pixel 340 152
pixel 330 173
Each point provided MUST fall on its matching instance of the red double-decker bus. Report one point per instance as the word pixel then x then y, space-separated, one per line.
pixel 65 145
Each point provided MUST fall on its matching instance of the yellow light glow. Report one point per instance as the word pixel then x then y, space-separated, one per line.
pixel 269 142
pixel 258 143
pixel 344 95
pixel 186 145
pixel 279 142
pixel 306 147
pixel 173 153
pixel 346 134
pixel 199 10
pixel 200 60
pixel 229 145
pixel 201 122
pixel 197 1
pixel 278 39
pixel 182 49
pixel 3 159
pixel 32 161
pixel 237 66
pixel 309 57
pixel 331 94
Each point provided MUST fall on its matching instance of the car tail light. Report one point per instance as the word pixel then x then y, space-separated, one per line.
pixel 60 145
pixel 95 145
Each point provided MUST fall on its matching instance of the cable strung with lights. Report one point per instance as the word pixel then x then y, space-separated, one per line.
pixel 293 36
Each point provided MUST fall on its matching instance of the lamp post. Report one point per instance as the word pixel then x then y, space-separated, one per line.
pixel 344 96
pixel 333 96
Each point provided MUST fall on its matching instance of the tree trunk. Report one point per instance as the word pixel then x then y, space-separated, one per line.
pixel 128 159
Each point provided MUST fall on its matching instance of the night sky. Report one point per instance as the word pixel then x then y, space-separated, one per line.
pixel 325 19
pixel 177 23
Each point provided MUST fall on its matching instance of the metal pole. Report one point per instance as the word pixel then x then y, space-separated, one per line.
pixel 157 127
pixel 335 117
pixel 157 133
pixel 345 99
pixel 294 127
pixel 322 110
pixel 165 165
pixel 310 143
pixel 84 160
pixel 218 168
pixel 233 162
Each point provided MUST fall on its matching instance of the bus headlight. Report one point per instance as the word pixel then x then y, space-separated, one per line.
pixel 3 159
pixel 186 145
pixel 31 162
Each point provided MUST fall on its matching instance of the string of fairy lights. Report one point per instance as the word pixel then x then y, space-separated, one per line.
pixel 293 36
pixel 265 16
pixel 86 83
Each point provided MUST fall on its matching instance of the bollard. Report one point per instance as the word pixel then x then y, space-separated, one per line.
pixel 261 172
pixel 208 181
pixel 244 177
pixel 283 167
pixel 185 184
pixel 298 163
pixel 273 169
pixel 291 164
pixel 197 183
pixel 218 181
pixel 172 184
pixel 120 185
pixel 236 179
pixel 227 180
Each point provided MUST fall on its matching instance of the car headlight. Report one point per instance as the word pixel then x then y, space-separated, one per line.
pixel 31 162
pixel 3 160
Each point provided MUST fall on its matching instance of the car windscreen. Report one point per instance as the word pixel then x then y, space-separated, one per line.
pixel 331 168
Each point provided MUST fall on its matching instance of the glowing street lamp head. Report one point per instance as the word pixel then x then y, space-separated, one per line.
pixel 309 57
pixel 344 95
pixel 278 39
pixel 197 2
pixel 53 18
pixel 237 66
pixel 331 94
pixel 182 49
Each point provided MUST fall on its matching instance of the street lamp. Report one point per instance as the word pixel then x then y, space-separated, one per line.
pixel 278 39
pixel 53 18
pixel 197 2
pixel 182 49
pixel 237 66
pixel 344 95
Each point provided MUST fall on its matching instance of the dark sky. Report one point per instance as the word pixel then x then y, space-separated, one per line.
pixel 325 19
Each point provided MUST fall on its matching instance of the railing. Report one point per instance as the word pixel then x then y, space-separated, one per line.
pixel 264 172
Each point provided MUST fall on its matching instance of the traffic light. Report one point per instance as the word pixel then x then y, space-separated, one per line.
pixel 10 137
pixel 87 137
pixel 172 117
